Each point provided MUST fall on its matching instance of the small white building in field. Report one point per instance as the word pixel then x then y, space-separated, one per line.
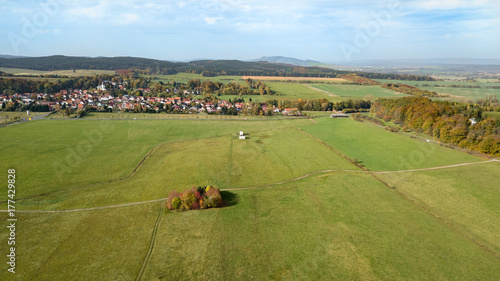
pixel 340 115
pixel 242 135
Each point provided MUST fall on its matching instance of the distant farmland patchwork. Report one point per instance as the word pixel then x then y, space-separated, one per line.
pixel 300 209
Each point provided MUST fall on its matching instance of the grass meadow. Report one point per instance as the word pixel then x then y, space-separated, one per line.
pixel 467 197
pixel 463 94
pixel 337 223
pixel 495 115
pixel 71 73
pixel 381 150
pixel 354 91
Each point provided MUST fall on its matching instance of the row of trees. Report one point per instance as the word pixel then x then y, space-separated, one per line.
pixel 360 80
pixel 322 105
pixel 409 90
pixel 456 123
pixel 230 89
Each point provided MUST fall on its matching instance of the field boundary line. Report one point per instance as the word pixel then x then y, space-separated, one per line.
pixel 421 205
pixel 149 253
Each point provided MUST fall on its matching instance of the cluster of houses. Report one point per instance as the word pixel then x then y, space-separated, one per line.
pixel 99 100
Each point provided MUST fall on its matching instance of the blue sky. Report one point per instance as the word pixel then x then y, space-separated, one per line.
pixel 328 31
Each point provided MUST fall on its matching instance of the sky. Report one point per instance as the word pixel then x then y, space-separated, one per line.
pixel 327 31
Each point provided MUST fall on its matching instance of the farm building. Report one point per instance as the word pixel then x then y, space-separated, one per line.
pixel 242 135
pixel 339 116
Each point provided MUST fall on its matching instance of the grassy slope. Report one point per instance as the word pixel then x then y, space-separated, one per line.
pixel 336 226
pixel 295 91
pixel 495 115
pixel 186 77
pixel 48 148
pixel 79 72
pixel 382 150
pixel 97 245
pixel 225 162
pixel 356 91
pixel 330 227
pixel 468 197
pixel 464 93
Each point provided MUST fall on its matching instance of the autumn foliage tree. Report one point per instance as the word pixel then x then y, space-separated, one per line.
pixel 454 123
pixel 201 197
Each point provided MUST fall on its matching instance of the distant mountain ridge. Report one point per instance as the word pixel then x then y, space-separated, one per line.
pixel 207 68
pixel 11 57
pixel 287 60
pixel 427 62
pixel 204 67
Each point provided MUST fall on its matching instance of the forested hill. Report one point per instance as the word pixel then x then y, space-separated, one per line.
pixel 204 67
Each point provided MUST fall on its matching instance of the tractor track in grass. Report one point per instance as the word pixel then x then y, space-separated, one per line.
pixel 149 252
pixel 256 187
pixel 131 174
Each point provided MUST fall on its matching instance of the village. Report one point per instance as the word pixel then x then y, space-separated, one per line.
pixel 100 100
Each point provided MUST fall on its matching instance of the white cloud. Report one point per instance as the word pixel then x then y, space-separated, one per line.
pixel 212 20
pixel 129 18
pixel 451 4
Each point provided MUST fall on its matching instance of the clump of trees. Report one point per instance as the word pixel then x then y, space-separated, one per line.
pixel 409 90
pixel 201 197
pixel 323 104
pixel 236 89
pixel 455 123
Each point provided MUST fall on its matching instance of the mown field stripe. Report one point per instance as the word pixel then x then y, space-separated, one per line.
pixel 149 253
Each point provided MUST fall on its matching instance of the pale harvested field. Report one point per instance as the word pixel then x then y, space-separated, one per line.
pixel 278 78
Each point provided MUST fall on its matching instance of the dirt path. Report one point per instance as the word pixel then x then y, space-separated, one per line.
pixel 256 187
pixel 86 209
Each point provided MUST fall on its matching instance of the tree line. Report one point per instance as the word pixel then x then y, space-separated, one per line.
pixel 207 68
pixel 456 123
pixel 410 90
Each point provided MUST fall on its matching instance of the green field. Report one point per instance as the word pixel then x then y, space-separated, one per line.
pixel 468 197
pixel 381 150
pixel 355 91
pixel 463 94
pixel 299 209
pixel 289 90
pixel 493 114
pixel 78 72
pixel 186 77
pixel 292 91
